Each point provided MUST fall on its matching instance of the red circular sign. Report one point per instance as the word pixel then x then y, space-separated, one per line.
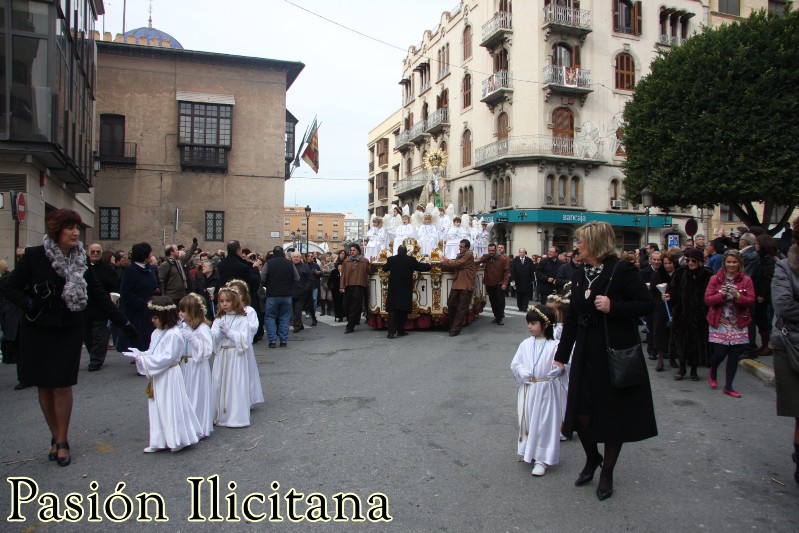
pixel 691 227
pixel 21 207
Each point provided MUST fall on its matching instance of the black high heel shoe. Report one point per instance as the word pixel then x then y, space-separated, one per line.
pixel 63 461
pixel 603 495
pixel 52 455
pixel 584 477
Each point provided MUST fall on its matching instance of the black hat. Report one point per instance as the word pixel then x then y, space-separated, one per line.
pixel 356 246
pixel 694 253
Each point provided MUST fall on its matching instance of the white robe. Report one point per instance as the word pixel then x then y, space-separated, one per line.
pixel 256 391
pixel 391 230
pixel 376 238
pixel 444 223
pixel 230 373
pixel 196 368
pixel 455 234
pixel 428 238
pixel 403 232
pixel 539 403
pixel 173 423
pixel 481 238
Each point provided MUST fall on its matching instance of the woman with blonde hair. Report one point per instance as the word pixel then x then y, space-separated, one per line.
pixel 606 293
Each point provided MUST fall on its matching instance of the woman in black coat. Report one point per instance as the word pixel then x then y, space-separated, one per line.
pixel 334 282
pixel 661 329
pixel 138 284
pixel 597 410
pixel 53 286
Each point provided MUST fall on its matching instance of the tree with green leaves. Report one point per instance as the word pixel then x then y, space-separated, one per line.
pixel 717 121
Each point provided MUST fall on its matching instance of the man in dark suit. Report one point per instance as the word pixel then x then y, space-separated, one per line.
pixel 547 273
pixel 399 295
pixel 96 333
pixel 522 271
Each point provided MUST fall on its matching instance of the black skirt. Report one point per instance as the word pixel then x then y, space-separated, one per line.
pixel 49 357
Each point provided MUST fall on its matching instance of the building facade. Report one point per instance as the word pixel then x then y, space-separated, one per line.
pixel 353 228
pixel 190 144
pixel 324 227
pixel 46 114
pixel 527 99
pixel 384 164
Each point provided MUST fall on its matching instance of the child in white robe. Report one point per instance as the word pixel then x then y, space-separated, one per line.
pixel 231 378
pixel 402 232
pixel 173 423
pixel 539 397
pixel 195 364
pixel 256 391
pixel 376 239
pixel 428 236
pixel 453 238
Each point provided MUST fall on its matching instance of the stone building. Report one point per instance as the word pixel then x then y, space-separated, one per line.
pixel 527 99
pixel 46 115
pixel 190 144
pixel 324 227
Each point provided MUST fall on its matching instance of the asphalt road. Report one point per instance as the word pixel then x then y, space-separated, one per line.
pixel 426 420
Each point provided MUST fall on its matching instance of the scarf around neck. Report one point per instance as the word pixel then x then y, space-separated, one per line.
pixel 72 270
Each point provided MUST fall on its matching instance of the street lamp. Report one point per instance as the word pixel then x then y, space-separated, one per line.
pixel 646 200
pixel 307 226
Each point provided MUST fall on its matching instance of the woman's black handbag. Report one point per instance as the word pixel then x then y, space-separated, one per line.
pixel 627 365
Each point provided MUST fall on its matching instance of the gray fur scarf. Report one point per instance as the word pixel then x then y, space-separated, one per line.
pixel 72 270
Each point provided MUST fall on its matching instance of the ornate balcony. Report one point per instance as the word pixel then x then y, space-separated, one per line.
pixel 666 40
pixel 437 121
pixel 567 20
pixel 404 141
pixel 567 80
pixel 418 132
pixel 410 184
pixel 532 147
pixel 497 87
pixel 496 29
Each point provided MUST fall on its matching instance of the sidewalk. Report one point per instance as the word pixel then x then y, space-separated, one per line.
pixel 760 367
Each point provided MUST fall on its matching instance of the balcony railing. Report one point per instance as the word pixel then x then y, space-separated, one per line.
pixel 408 99
pixel 424 87
pixel 444 72
pixel 567 17
pixel 414 182
pixel 404 139
pixel 203 157
pixel 437 120
pixel 572 77
pixel 120 153
pixel 495 28
pixel 537 146
pixel 371 166
pixel 670 41
pixel 418 131
pixel 498 82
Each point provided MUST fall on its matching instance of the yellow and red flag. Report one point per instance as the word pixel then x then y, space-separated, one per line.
pixel 311 153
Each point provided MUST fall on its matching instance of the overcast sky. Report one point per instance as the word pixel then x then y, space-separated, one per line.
pixel 349 81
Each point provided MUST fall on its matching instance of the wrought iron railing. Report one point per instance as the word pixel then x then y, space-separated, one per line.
pixel 500 22
pixel 117 152
pixel 498 80
pixel 567 76
pixel 443 72
pixel 418 129
pixel 537 145
pixel 567 16
pixel 437 117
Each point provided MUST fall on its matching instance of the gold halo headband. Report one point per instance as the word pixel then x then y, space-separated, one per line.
pixel 542 315
pixel 153 307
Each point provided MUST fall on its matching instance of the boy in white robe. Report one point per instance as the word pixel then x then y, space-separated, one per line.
pixel 256 390
pixel 173 423
pixel 405 231
pixel 376 239
pixel 452 239
pixel 231 378
pixel 195 364
pixel 539 397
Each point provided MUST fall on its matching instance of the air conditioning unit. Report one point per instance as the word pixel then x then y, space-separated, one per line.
pixel 623 204
pixel 493 204
pixel 561 200
pixel 615 204
pixel 550 200
pixel 574 201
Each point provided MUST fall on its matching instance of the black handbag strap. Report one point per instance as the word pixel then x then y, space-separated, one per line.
pixel 605 315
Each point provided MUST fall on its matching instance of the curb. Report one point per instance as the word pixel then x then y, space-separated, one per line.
pixel 759 370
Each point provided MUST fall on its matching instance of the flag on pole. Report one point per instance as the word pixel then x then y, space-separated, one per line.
pixel 305 137
pixel 311 153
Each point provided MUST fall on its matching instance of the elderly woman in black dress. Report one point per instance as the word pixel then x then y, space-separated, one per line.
pixel 52 285
pixel 599 411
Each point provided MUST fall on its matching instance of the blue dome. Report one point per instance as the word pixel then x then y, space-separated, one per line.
pixel 152 33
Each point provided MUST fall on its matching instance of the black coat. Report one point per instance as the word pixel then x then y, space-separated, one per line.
pixel 399 296
pixel 618 415
pixel 234 267
pixel 661 332
pixel 201 285
pixel 107 277
pixel 522 274
pixel 136 287
pixel 303 286
pixel 689 328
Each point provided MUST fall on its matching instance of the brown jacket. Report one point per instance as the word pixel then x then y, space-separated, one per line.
pixel 497 270
pixel 353 273
pixel 464 271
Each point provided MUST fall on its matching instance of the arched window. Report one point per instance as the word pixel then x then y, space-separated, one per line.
pixel 505 6
pixel 467 42
pixel 625 72
pixel 627 17
pixel 467 91
pixel 494 187
pixel 502 126
pixel 408 167
pixel 501 60
pixel 549 190
pixel 614 189
pixel 470 196
pixel 508 197
pixel 466 149
pixel 574 191
pixel 424 112
pixel 561 55
pixel 460 199
pixel 501 193
pixel 442 146
pixel 442 101
pixel 424 155
pixel 563 131
pixel 562 190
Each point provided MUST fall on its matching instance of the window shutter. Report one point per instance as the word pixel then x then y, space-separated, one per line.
pixel 576 59
pixel 615 15
pixel 637 18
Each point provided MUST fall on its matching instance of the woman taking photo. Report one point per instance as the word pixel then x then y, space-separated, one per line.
pixel 52 286
pixel 729 295
pixel 597 410
pixel 661 328
pixel 785 298
pixel 685 294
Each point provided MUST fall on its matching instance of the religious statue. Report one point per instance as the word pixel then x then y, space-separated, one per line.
pixel 435 190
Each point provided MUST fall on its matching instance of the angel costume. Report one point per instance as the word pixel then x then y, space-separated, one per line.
pixel 376 237
pixel 539 400
pixel 455 234
pixel 403 232
pixel 444 223
pixel 256 391
pixel 481 239
pixel 173 423
pixel 230 374
pixel 197 374
pixel 427 239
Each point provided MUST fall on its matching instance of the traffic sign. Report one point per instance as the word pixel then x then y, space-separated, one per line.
pixel 20 207
pixel 691 227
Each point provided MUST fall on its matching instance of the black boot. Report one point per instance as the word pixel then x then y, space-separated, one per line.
pixel 322 305
pixel 796 460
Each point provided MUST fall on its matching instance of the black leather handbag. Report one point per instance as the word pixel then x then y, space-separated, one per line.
pixel 627 365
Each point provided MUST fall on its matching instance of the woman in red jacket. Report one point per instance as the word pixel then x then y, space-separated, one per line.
pixel 729 296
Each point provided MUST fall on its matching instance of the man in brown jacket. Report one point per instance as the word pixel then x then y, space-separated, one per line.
pixel 495 278
pixel 354 282
pixel 460 296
